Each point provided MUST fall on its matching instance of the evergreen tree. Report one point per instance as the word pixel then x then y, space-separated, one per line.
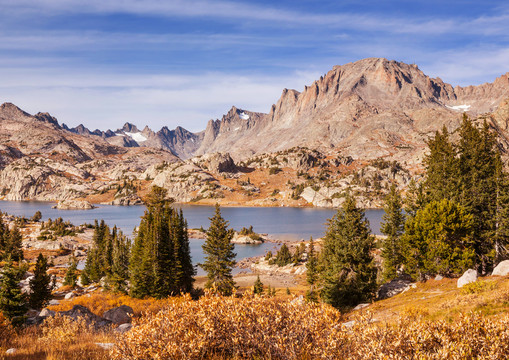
pixel 392 226
pixel 258 286
pixel 283 256
pixel 501 230
pixel 441 167
pixel 13 245
pixel 348 275
pixel 71 275
pixel 119 272
pixel 13 302
pixel 479 158
pixel 439 240
pixel 219 255
pixel 37 216
pixel 312 272
pixel 41 284
pixel 160 263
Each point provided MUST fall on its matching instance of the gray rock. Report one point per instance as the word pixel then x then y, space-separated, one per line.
pixel 46 312
pixel 119 315
pixel 11 351
pixel 468 277
pixel 394 287
pixel 220 163
pixel 69 296
pixel 123 328
pixel 79 311
pixel 54 302
pixel 502 269
pixel 361 306
pixel 439 277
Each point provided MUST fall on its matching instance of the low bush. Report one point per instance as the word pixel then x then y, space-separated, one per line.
pixel 255 327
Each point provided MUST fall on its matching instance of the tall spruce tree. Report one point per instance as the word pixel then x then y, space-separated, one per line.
pixel 13 303
pixel 393 222
pixel 478 159
pixel 160 263
pixel 441 167
pixel 312 271
pixel 71 275
pixel 13 244
pixel 219 255
pixel 348 275
pixel 41 284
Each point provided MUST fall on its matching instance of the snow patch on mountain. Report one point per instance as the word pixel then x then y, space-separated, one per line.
pixel 138 136
pixel 459 107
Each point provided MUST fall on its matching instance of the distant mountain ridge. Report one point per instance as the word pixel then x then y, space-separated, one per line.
pixel 369 108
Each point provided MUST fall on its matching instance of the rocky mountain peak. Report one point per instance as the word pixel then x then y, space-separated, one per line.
pixel 12 111
pixel 128 127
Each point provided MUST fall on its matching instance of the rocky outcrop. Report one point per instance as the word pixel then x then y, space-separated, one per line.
pixel 80 311
pixel 217 163
pixel 74 205
pixel 468 277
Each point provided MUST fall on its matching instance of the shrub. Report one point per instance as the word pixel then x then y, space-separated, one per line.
pixel 254 327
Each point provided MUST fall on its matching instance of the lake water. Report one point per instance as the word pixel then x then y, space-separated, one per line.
pixel 283 223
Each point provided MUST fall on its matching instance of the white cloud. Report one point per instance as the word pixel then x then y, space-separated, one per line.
pixel 273 16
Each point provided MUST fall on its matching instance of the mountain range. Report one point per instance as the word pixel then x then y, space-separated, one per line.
pixel 369 109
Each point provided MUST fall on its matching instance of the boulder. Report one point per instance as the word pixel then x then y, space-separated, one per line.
pixel 123 328
pixel 468 277
pixel 54 302
pixel 80 311
pixel 11 351
pixel 46 312
pixel 119 315
pixel 394 287
pixel 220 163
pixel 69 296
pixel 439 277
pixel 502 269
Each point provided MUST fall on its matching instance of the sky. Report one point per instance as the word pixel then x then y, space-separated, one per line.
pixel 168 63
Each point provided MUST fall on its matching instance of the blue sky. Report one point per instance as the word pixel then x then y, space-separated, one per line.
pixel 168 63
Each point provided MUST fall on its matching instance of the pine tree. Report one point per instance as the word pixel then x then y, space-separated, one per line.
pixel 348 275
pixel 441 167
pixel 439 240
pixel 219 255
pixel 13 302
pixel 258 286
pixel 312 272
pixel 71 275
pixel 283 256
pixel 392 226
pixel 41 284
pixel 119 272
pixel 160 263
pixel 13 244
